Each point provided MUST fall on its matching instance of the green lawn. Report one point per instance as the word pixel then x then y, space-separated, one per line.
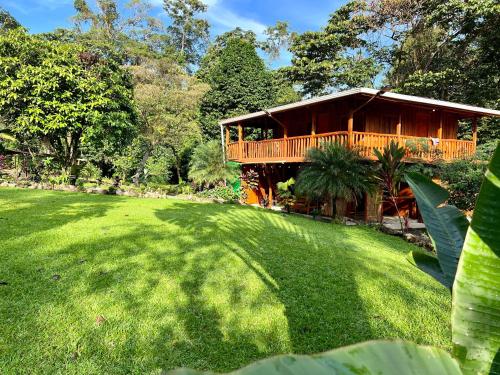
pixel 200 285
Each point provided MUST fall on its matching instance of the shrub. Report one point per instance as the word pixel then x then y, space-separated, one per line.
pixel 90 172
pixel 220 192
pixel 285 193
pixel 463 179
pixel 61 179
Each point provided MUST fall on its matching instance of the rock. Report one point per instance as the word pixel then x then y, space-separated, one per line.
pixel 56 277
pixel 410 237
pixel 350 222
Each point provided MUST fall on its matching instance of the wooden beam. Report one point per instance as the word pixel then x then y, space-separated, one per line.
pixel 313 129
pixel 398 128
pixel 228 137
pixel 440 129
pixel 240 141
pixel 350 129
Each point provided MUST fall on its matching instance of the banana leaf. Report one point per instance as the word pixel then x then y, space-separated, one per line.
pixel 446 224
pixel 476 292
pixel 429 264
pixel 376 357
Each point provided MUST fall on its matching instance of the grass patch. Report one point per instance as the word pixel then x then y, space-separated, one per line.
pixel 103 284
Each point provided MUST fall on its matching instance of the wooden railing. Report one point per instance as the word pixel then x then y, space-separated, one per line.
pixel 294 149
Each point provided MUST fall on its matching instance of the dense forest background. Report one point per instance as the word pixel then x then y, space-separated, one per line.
pixel 123 94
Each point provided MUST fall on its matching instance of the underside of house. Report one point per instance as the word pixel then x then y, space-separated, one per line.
pixel 273 143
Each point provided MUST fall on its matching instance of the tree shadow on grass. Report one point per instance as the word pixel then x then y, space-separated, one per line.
pixel 26 212
pixel 206 286
pixel 315 283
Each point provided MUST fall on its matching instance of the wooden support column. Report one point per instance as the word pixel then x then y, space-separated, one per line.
pixel 398 129
pixel 268 172
pixel 227 140
pixel 474 133
pixel 313 129
pixel 240 141
pixel 350 128
pixel 440 129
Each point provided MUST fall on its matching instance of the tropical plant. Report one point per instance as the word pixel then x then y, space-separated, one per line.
pixel 446 226
pixel 64 96
pixel 475 314
pixel 334 172
pixel 463 178
pixel 285 193
pixel 208 167
pixel 390 173
pixel 251 179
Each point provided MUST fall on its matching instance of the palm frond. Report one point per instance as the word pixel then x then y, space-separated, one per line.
pixel 334 171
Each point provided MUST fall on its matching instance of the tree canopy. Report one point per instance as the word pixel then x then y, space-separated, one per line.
pixel 239 83
pixel 64 95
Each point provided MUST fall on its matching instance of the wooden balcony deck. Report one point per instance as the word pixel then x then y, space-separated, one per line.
pixel 293 149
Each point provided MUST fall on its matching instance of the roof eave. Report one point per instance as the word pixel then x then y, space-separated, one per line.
pixel 472 110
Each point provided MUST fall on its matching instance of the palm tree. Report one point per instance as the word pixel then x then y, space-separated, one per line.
pixel 390 173
pixel 334 172
pixel 207 165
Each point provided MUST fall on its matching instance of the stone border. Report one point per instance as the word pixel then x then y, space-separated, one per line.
pixel 117 192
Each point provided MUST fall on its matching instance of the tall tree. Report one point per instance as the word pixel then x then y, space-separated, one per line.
pixel 167 100
pixel 239 83
pixel 189 33
pixel 447 50
pixel 63 95
pixel 127 35
pixel 336 57
pixel 7 22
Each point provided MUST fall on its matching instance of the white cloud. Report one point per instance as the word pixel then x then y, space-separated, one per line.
pixel 222 19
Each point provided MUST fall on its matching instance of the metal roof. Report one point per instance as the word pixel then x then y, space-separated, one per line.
pixel 363 90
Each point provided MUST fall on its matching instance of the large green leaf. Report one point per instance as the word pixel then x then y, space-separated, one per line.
pixel 428 263
pixel 476 292
pixel 376 357
pixel 446 224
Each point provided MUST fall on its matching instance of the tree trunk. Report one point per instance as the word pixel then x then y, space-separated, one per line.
pixel 178 169
pixel 140 168
pixel 73 148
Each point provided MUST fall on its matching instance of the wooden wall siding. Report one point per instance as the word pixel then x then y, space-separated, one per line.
pixel 375 119
pixel 414 121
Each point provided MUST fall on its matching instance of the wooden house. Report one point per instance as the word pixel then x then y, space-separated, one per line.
pixel 274 142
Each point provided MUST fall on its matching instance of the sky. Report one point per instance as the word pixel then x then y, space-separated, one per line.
pixel 223 15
